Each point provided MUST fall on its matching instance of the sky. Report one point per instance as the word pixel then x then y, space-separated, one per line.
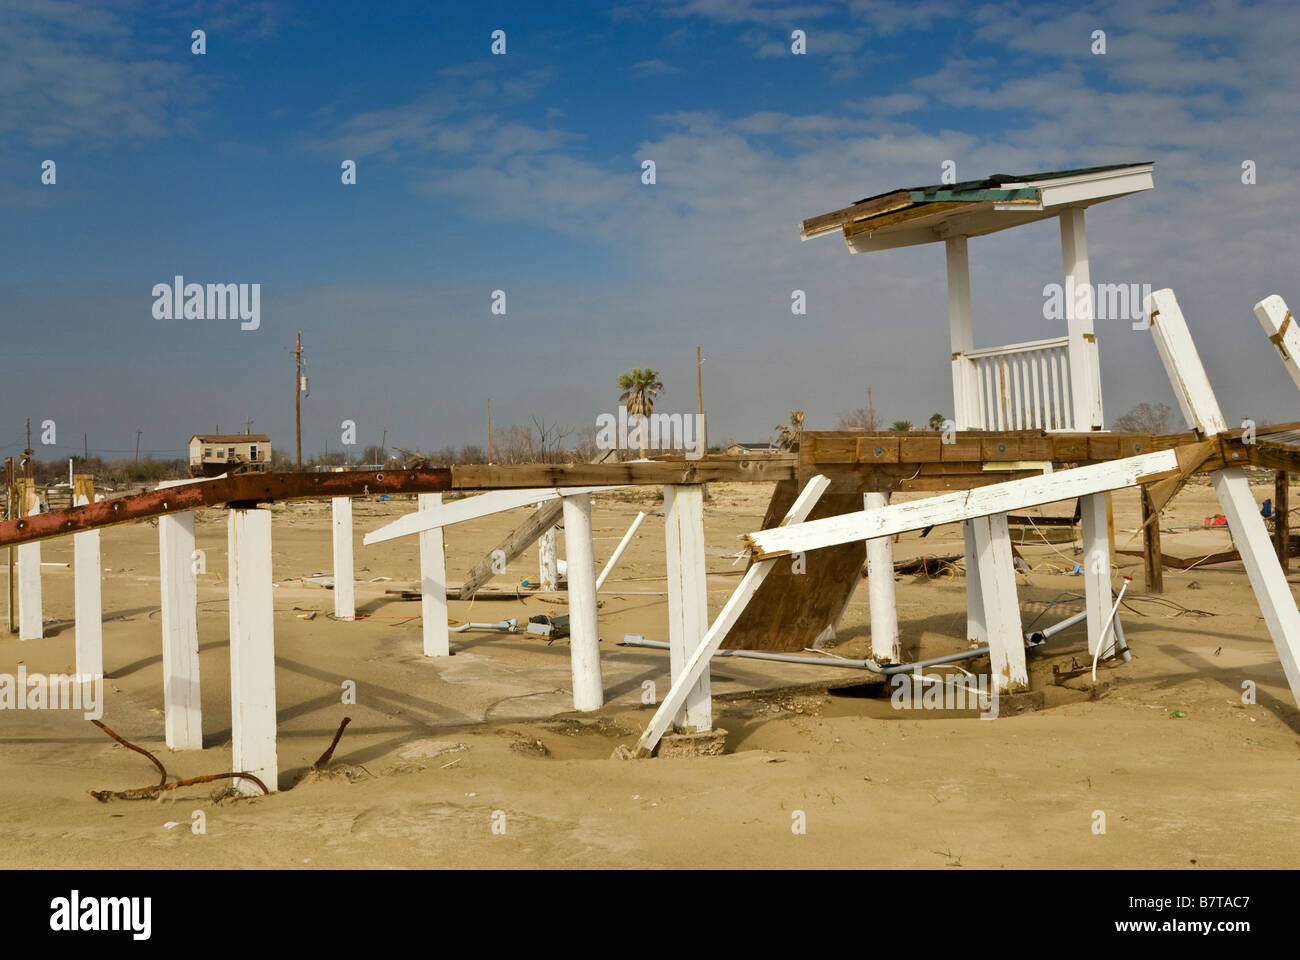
pixel 522 172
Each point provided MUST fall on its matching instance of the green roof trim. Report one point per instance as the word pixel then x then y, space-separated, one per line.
pixel 996 181
pixel 951 195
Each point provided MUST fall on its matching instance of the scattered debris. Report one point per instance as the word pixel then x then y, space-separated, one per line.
pixel 329 752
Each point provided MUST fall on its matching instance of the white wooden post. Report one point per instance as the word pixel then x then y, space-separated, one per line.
pixel 977 634
pixel 1283 330
pixel 345 604
pixel 880 589
pixel 86 601
pixel 698 664
pixel 31 619
pixel 1201 410
pixel 182 710
pixel 252 648
pixel 549 574
pixel 1085 368
pixel 1085 390
pixel 1001 608
pixel 688 597
pixel 584 635
pixel 433 584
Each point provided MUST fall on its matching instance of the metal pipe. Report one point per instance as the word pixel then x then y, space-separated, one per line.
pixel 1038 636
pixel 635 640
pixel 506 626
pixel 618 551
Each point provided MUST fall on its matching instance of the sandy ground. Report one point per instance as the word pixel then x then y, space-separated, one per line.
pixel 478 761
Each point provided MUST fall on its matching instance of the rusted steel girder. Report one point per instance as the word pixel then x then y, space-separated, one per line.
pixel 245 489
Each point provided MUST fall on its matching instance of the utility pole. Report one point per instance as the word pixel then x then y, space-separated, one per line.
pixel 383 446
pixel 699 389
pixel 10 483
pixel 137 445
pixel 297 398
pixel 85 441
pixel 871 413
pixel 248 425
pixel 27 453
pixel 489 449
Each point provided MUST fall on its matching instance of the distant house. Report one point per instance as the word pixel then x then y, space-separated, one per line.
pixel 212 454
pixel 749 449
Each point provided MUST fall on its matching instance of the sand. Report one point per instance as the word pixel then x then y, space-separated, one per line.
pixel 479 761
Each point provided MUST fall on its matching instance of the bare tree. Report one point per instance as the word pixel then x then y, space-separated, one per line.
pixel 1146 418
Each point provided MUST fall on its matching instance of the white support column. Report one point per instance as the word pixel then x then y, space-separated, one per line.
pixel 1085 390
pixel 87 606
pixel 976 632
pixel 880 589
pixel 547 558
pixel 584 635
pixel 252 648
pixel 31 619
pixel 1095 564
pixel 182 711
pixel 1085 368
pixel 345 604
pixel 1001 607
pixel 961 330
pixel 1201 409
pixel 688 598
pixel 433 584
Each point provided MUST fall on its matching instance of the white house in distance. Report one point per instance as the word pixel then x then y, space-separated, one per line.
pixel 1051 384
pixel 212 454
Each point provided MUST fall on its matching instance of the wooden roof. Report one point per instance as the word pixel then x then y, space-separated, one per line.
pixel 926 214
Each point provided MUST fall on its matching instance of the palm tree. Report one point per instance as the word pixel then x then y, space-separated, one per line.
pixel 901 426
pixel 936 421
pixel 788 432
pixel 640 387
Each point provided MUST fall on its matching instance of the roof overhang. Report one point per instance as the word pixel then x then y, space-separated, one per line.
pixel 907 217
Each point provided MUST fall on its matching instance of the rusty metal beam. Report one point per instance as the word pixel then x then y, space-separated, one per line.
pixel 244 489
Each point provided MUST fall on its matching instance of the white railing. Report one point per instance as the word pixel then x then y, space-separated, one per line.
pixel 1022 386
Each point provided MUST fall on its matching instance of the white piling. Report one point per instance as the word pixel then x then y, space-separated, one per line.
pixel 182 709
pixel 1001 607
pixel 433 584
pixel 584 636
pixel 880 589
pixel 345 606
pixel 547 561
pixel 688 597
pixel 252 649
pixel 31 621
pixel 87 603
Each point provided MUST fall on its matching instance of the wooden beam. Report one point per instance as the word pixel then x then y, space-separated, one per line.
pixel 967 505
pixel 1085 368
pixel 699 660
pixel 665 470
pixel 539 525
pixel 1199 405
pixel 1151 555
pixel 827 222
pixel 471 508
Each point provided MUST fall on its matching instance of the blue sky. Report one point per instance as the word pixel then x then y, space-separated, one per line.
pixel 522 172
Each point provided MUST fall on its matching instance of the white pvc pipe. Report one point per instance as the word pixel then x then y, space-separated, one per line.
pixel 618 551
